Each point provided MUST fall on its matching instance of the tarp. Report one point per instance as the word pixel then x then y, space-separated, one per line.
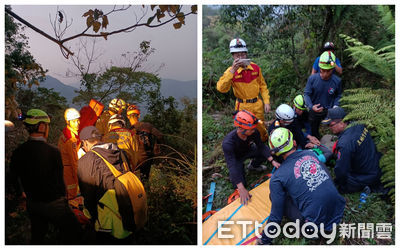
pixel 234 215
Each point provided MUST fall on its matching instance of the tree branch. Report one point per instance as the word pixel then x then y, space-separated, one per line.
pixel 61 42
pixel 120 30
pixel 39 31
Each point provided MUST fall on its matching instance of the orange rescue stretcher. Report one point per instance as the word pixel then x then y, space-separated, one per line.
pixel 226 226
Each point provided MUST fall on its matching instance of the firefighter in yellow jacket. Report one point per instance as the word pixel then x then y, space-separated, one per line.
pixel 116 106
pixel 124 138
pixel 69 144
pixel 248 84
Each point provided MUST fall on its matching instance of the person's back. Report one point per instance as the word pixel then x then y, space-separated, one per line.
pixel 39 166
pixel 97 182
pixel 102 122
pixel 94 176
pixel 356 146
pixel 301 188
pixel 116 106
pixel 126 141
pixel 147 136
pixel 307 182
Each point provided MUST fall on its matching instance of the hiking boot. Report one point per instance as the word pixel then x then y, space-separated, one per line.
pixel 259 168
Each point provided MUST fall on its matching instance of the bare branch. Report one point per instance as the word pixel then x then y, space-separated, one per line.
pixel 120 9
pixel 60 43
pixel 59 33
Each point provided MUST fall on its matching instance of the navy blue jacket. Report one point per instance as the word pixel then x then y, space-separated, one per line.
pixel 357 156
pixel 295 128
pixel 304 122
pixel 306 181
pixel 327 93
pixel 235 150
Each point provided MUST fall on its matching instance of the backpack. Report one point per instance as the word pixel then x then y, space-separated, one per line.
pixel 148 140
pixel 130 194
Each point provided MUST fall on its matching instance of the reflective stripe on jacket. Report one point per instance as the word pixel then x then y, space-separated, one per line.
pixel 69 144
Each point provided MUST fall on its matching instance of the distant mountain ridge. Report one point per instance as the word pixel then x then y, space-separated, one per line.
pixel 65 90
pixel 179 89
pixel 169 87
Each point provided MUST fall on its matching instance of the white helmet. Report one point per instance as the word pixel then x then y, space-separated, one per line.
pixel 237 45
pixel 284 112
pixel 71 114
pixel 116 118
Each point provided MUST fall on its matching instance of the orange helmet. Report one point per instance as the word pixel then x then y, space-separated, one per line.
pixel 132 109
pixel 245 119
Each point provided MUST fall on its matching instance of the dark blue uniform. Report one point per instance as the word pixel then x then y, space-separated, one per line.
pixel 357 163
pixel 237 150
pixel 305 182
pixel 325 92
pixel 295 128
pixel 302 121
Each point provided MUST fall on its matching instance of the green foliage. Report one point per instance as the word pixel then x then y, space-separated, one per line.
pixel 380 61
pixel 128 82
pixel 284 41
pixel 170 216
pixel 20 66
pixel 376 210
pixel 375 109
pixel 49 101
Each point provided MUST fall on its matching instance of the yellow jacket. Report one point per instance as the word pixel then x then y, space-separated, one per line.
pixel 69 144
pixel 127 141
pixel 247 83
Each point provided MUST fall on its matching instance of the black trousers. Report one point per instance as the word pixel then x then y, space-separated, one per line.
pixel 60 215
pixel 315 120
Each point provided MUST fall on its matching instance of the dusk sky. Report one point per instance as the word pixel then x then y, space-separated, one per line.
pixel 177 49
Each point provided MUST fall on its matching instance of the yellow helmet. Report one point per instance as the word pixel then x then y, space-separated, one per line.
pixel 34 116
pixel 117 104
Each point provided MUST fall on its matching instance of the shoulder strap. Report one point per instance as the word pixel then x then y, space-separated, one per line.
pixel 124 160
pixel 113 170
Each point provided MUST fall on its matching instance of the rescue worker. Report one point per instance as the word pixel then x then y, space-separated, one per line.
pixel 95 180
pixel 285 118
pixel 301 188
pixel 38 167
pixel 116 106
pixel 323 91
pixel 244 143
pixel 248 84
pixel 69 144
pixel 123 138
pixel 301 117
pixel 328 46
pixel 357 159
pixel 147 136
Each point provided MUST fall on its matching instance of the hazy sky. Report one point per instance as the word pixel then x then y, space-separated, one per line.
pixel 177 49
